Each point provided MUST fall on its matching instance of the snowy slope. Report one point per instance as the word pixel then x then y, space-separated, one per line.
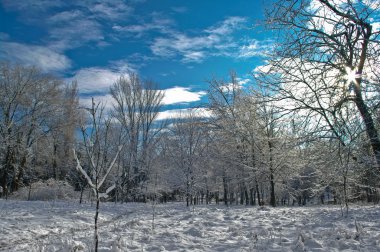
pixel 68 226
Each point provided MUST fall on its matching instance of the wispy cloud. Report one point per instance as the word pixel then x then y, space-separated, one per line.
pixel 73 29
pixel 255 48
pixel 179 9
pixel 156 22
pixel 228 26
pixel 4 36
pixel 32 10
pixel 109 9
pixel 181 95
pixel 71 24
pixel 43 57
pixel 213 41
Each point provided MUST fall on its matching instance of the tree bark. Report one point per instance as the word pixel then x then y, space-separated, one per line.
pixel 225 191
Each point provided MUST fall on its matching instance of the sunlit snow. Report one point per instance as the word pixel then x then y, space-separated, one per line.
pixel 68 226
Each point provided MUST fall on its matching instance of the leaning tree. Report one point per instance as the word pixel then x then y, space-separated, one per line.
pixel 326 64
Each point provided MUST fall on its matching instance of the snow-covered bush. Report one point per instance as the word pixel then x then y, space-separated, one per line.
pixel 50 189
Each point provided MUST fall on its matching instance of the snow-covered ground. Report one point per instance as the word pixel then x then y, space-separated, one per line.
pixel 68 226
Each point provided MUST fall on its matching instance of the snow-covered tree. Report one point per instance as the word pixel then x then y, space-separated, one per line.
pixel 136 108
pixel 97 150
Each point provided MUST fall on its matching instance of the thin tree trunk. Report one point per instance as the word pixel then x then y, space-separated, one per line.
pixel 258 195
pixel 96 221
pixel 241 195
pixel 252 195
pixel 246 196
pixel 225 192
pixel 272 192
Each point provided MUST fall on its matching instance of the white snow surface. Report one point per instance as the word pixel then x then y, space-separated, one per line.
pixel 68 226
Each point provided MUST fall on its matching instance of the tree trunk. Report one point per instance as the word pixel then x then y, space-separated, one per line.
pixel 246 196
pixel 225 191
pixel 252 194
pixel 8 164
pixel 258 195
pixel 272 192
pixel 96 221
pixel 241 194
pixel 369 125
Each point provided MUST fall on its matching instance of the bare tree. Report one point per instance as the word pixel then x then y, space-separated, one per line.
pixel 97 150
pixel 185 148
pixel 327 57
pixel 136 108
pixel 30 110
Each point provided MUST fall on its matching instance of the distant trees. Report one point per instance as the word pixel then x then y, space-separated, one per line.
pixel 32 105
pixel 257 135
pixel 186 150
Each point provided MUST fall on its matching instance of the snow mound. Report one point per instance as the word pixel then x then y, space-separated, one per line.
pixel 48 190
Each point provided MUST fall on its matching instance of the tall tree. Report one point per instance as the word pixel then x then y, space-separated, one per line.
pixel 327 56
pixel 136 108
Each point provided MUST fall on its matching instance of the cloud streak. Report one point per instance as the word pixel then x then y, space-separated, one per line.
pixel 216 40
pixel 44 58
pixel 255 48
pixel 71 24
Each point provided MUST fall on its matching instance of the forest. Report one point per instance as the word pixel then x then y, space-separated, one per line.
pixel 307 130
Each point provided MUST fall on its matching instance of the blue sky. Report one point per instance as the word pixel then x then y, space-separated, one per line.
pixel 178 44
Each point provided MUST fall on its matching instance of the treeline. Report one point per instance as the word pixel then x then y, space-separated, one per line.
pixel 306 130
pixel 248 152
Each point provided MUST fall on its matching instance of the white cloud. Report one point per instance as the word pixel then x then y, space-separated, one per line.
pixel 243 82
pixel 229 87
pixel 184 113
pixel 376 26
pixel 43 57
pixel 181 95
pixel 95 79
pixel 105 100
pixel 100 79
pixel 264 69
pixel 193 56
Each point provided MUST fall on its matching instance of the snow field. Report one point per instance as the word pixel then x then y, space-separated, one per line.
pixel 68 226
